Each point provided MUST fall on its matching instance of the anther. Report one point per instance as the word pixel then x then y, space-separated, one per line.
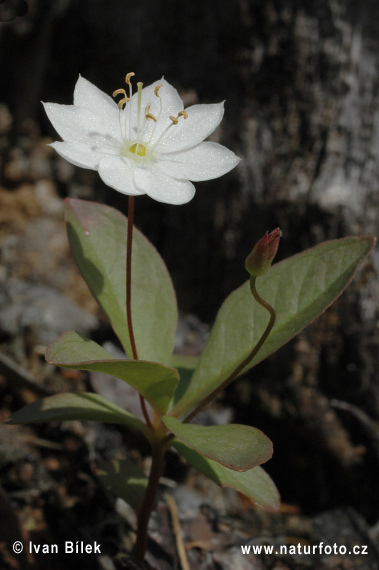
pixel 118 92
pixel 157 89
pixel 127 78
pixel 122 102
pixel 151 116
pixel 183 114
pixel 174 119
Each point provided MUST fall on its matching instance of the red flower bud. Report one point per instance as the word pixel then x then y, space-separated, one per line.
pixel 263 253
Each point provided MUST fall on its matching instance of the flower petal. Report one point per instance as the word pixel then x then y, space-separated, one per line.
pixel 77 154
pixel 86 94
pixel 89 96
pixel 163 188
pixel 118 174
pixel 199 124
pixel 206 161
pixel 77 124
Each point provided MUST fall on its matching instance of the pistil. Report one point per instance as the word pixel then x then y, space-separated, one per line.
pixel 138 149
pixel 128 82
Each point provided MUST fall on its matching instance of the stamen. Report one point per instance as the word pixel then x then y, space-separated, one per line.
pixel 122 102
pixel 157 89
pixel 175 121
pixel 118 92
pixel 120 105
pixel 150 116
pixel 127 78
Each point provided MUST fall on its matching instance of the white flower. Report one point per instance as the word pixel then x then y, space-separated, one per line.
pixel 147 144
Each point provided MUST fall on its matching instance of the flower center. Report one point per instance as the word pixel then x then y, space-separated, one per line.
pixel 134 128
pixel 138 149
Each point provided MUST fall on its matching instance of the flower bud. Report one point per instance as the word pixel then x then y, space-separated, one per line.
pixel 263 253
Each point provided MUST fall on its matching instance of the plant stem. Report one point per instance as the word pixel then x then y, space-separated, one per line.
pixel 129 244
pixel 129 275
pixel 244 363
pixel 157 464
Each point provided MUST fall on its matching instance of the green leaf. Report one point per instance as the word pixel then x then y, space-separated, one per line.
pixel 254 484
pixel 125 480
pixel 235 446
pixel 82 406
pixel 155 382
pixel 185 366
pixel 299 288
pixel 179 361
pixel 185 375
pixel 97 236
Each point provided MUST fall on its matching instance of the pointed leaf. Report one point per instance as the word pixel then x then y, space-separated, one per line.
pixel 155 382
pixel 125 480
pixel 235 446
pixel 97 235
pixel 299 288
pixel 254 484
pixel 82 406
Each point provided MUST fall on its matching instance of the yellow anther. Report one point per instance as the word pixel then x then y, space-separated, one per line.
pixel 118 92
pixel 183 114
pixel 122 102
pixel 174 119
pixel 157 89
pixel 127 78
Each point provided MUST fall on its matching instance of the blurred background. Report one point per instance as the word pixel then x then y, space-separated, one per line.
pixel 300 80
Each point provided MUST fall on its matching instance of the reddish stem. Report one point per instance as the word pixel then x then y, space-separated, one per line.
pixel 144 513
pixel 129 244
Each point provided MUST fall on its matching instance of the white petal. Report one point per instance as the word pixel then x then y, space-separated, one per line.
pixel 77 124
pixel 163 188
pixel 206 161
pixel 167 94
pixel 89 96
pixel 200 123
pixel 77 154
pixel 118 174
pixel 171 105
